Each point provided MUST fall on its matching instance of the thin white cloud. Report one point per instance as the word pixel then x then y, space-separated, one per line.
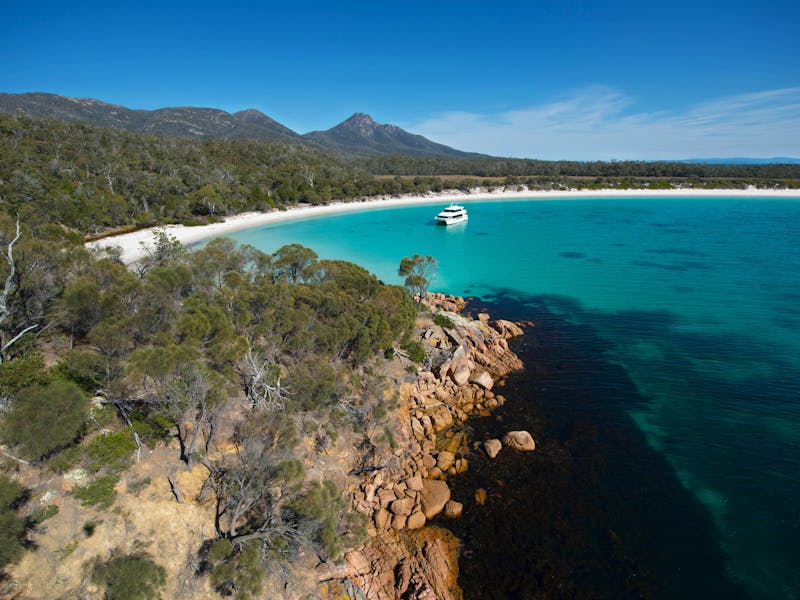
pixel 598 123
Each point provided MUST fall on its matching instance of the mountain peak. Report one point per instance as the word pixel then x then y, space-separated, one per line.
pixel 361 117
pixel 361 135
pixel 249 113
pixel 360 123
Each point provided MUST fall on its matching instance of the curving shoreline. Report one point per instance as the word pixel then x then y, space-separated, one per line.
pixel 130 243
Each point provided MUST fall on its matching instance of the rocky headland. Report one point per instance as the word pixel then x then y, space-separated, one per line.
pixel 408 556
pixel 401 488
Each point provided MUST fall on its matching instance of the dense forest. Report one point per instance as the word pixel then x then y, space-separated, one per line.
pixel 524 167
pixel 88 179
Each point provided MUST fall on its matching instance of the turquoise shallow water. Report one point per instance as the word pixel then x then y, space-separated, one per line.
pixel 696 300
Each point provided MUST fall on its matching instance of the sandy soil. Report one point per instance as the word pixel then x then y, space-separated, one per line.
pixel 131 243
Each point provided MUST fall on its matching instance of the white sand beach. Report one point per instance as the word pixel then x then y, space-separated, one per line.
pixel 131 243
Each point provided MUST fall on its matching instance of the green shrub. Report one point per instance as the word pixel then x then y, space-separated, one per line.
pixel 444 321
pixel 129 577
pixel 111 451
pixel 99 493
pixel 21 373
pixel 87 369
pixel 314 382
pixel 45 418
pixel 322 503
pixel 357 526
pixel 415 351
pixel 237 572
pixel 151 428
pixel 12 526
pixel 67 459
pixel 390 439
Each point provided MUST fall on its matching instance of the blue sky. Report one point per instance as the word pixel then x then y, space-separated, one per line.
pixel 542 78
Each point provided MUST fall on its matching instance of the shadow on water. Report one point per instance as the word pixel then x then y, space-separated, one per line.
pixel 594 512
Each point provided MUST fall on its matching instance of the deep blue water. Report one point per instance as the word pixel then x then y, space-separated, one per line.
pixel 662 382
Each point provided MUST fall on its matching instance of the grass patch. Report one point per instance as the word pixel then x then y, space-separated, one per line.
pixel 100 493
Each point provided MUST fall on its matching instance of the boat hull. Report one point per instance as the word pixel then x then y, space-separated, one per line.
pixel 455 221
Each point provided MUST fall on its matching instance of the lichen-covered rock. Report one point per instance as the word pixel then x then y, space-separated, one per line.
pixel 519 440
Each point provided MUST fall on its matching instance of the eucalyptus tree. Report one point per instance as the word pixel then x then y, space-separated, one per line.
pixel 177 386
pixel 419 272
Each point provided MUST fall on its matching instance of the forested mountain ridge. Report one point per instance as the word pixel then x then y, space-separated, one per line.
pixel 76 179
pixel 360 135
pixel 173 121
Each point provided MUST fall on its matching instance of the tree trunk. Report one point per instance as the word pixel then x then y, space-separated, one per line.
pixel 176 490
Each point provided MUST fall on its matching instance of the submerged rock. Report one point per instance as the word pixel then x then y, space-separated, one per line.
pixel 492 447
pixel 453 509
pixel 519 440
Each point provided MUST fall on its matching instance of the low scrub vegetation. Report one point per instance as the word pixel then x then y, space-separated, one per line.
pixel 282 345
pixel 129 577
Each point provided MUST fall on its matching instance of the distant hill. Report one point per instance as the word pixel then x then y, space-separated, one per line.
pixel 357 136
pixel 177 121
pixel 362 136
pixel 778 160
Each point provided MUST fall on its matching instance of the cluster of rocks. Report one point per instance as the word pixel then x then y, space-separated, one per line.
pixel 518 440
pixel 405 559
pixel 464 361
pixel 450 303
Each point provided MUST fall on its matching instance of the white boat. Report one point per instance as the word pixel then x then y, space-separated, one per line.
pixel 451 215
